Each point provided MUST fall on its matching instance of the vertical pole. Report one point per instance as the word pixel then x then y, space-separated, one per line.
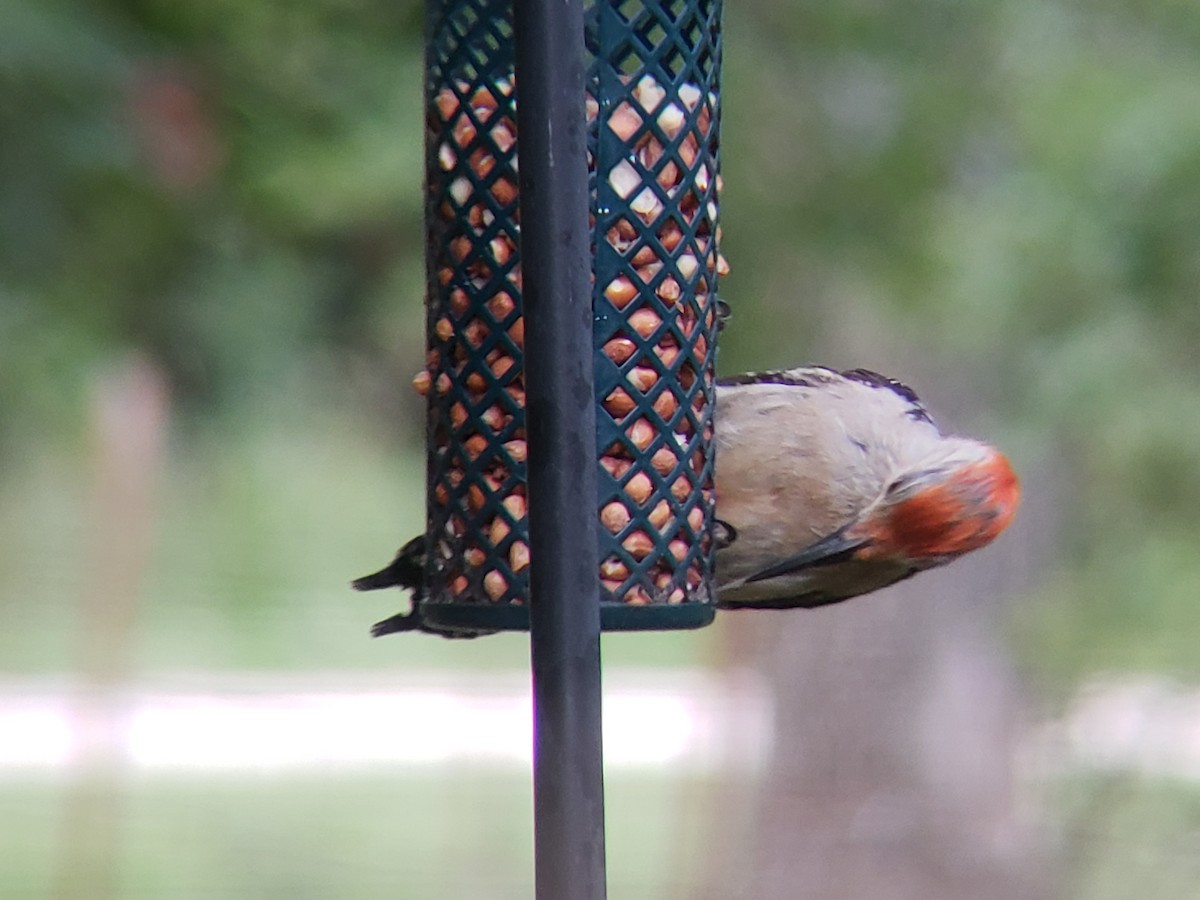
pixel 556 261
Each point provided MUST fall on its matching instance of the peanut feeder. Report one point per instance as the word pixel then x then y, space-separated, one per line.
pixel 652 113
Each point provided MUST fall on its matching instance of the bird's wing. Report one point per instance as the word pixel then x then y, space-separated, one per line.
pixel 835 548
pixel 811 599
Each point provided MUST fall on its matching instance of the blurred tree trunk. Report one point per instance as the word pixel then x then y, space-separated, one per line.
pixel 898 726
pixel 130 413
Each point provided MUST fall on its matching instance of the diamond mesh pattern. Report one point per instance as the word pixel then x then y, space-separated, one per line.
pixel 653 109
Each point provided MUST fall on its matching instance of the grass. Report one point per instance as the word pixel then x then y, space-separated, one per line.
pixel 429 835
pixel 1130 837
pixel 457 834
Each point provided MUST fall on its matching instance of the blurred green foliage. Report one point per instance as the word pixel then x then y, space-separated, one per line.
pixel 1012 188
pixel 233 189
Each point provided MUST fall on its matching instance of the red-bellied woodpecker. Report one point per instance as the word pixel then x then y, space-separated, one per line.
pixel 829 485
pixel 834 484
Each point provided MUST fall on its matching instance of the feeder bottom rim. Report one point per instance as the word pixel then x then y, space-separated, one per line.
pixel 613 617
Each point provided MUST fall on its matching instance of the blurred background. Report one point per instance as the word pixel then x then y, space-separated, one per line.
pixel 210 309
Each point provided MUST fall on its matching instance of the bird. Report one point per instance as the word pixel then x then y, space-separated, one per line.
pixel 405 571
pixel 829 485
pixel 834 484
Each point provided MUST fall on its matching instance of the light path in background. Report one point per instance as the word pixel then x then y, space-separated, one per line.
pixel 1143 725
pixel 689 720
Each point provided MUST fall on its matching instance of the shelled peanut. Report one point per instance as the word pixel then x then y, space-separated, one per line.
pixel 477 335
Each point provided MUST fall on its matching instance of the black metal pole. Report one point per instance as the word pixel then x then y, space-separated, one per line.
pixel 556 262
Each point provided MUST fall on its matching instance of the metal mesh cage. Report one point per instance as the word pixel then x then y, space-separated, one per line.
pixel 653 112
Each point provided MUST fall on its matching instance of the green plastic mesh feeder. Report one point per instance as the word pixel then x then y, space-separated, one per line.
pixel 653 115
